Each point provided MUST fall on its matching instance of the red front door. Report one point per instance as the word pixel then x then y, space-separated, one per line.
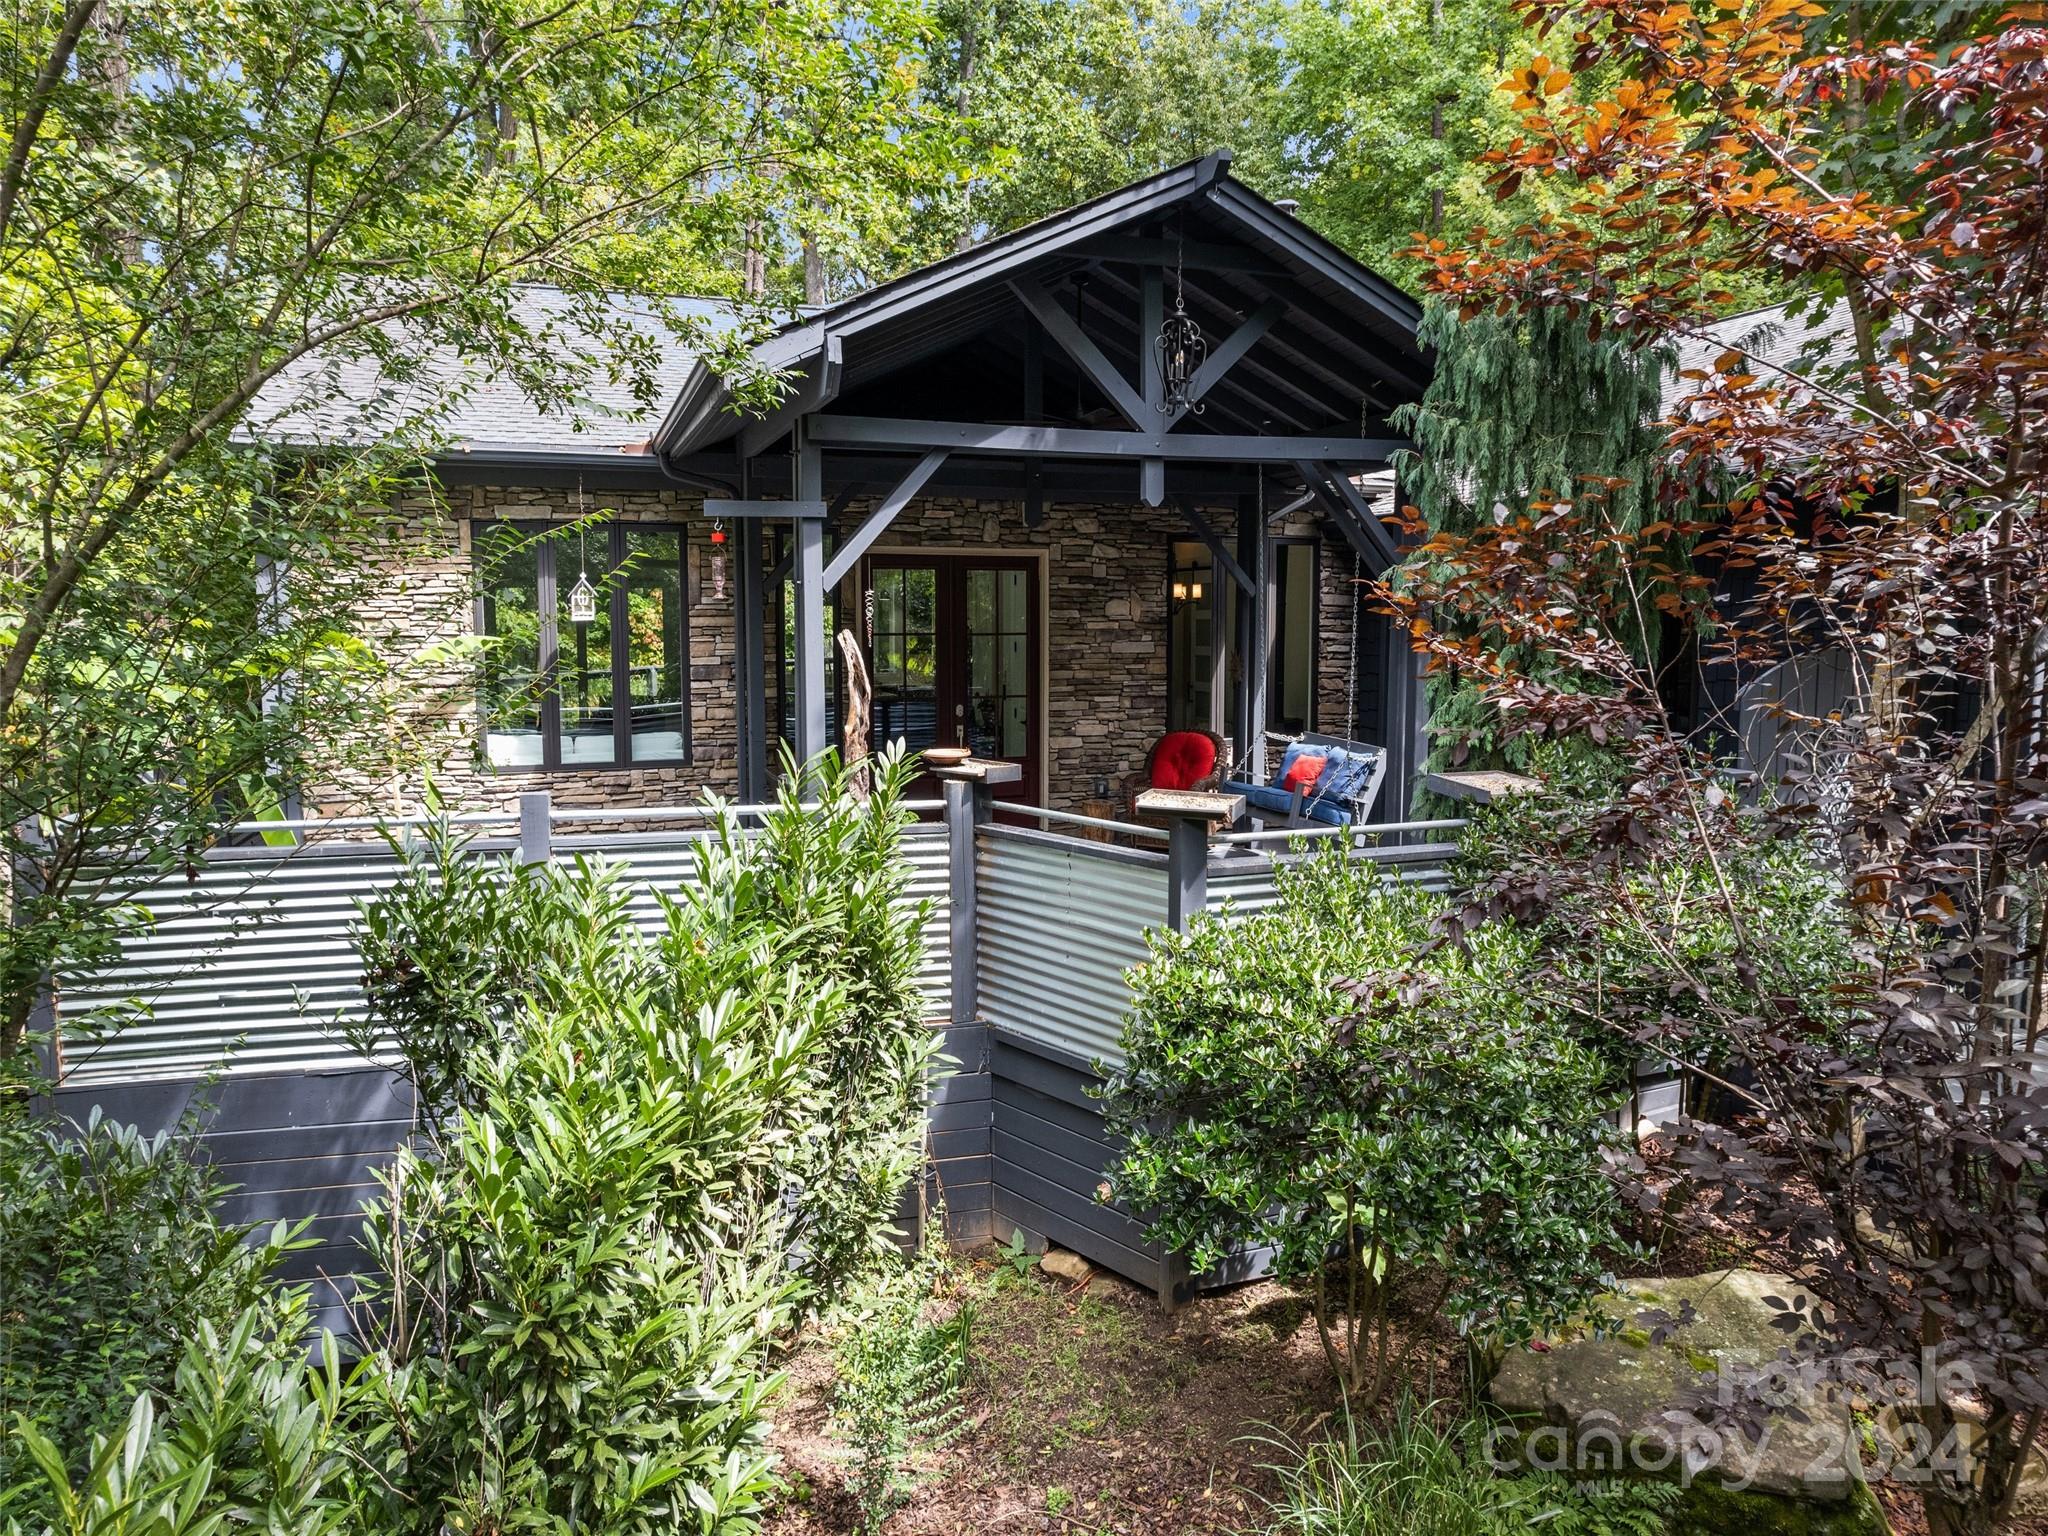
pixel 953 645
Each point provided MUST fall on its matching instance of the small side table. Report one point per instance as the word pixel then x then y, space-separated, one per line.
pixel 1101 810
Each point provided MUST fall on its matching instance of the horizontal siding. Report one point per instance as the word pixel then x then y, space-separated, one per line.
pixel 298 1147
pixel 1048 1154
pixel 247 965
pixel 1059 922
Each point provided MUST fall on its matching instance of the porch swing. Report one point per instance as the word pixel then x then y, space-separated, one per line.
pixel 1332 780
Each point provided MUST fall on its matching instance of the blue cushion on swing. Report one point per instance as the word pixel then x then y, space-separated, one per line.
pixel 1276 801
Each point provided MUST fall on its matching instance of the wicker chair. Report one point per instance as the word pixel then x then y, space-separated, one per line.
pixel 1135 784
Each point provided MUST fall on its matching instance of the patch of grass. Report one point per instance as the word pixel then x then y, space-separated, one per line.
pixel 1058 1368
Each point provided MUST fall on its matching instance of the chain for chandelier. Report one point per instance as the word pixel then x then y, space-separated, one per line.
pixel 1182 347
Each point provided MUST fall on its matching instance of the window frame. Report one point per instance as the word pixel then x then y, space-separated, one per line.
pixel 1274 628
pixel 547 596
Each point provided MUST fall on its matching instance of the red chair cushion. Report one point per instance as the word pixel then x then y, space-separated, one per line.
pixel 1182 760
pixel 1302 774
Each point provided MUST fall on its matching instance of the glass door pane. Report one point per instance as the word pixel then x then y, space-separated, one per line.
pixel 1192 608
pixel 998 702
pixel 583 651
pixel 1290 690
pixel 906 654
pixel 655 651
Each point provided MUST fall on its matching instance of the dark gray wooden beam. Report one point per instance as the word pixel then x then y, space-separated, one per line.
pixel 1307 409
pixel 1080 347
pixel 1246 410
pixel 1151 315
pixel 1089 443
pixel 811 737
pixel 741 508
pixel 1197 255
pixel 1218 550
pixel 1349 497
pixel 877 522
pixel 1226 356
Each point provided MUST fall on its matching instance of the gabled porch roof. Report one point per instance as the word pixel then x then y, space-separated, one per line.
pixel 1037 347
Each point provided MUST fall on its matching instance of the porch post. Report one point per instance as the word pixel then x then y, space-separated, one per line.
pixel 1189 815
pixel 809 570
pixel 1251 631
pixel 751 691
pixel 536 830
pixel 966 809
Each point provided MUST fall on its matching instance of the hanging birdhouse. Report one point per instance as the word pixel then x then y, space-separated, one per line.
pixel 582 600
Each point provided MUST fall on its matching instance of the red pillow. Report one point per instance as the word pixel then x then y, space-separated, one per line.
pixel 1182 760
pixel 1302 774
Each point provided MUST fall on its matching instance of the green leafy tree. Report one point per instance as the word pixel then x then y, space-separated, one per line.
pixel 1524 411
pixel 1386 108
pixel 204 209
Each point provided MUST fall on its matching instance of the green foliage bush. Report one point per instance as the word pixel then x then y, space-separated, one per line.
pixel 649 1153
pixel 1660 955
pixel 1420 1475
pixel 109 1254
pixel 899 1372
pixel 817 899
pixel 1317 1079
pixel 581 1290
pixel 249 1437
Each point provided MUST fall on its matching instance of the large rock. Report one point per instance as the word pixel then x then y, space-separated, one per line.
pixel 1606 1401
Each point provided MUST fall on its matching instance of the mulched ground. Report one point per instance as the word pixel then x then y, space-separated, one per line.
pixel 1092 1411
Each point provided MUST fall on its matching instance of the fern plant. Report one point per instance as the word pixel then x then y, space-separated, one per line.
pixel 900 1380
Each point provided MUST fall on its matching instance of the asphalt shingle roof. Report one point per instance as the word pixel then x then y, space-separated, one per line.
pixel 352 401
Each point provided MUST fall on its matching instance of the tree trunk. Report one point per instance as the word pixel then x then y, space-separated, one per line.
pixel 965 238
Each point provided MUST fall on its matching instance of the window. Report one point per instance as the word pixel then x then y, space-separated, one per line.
pixel 1198 616
pixel 1201 619
pixel 611 691
pixel 1291 654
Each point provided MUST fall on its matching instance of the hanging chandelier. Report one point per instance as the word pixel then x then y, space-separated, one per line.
pixel 1182 346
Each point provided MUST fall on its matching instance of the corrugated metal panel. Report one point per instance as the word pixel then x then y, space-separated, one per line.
pixel 1252 889
pixel 248 966
pixel 926 847
pixel 1060 922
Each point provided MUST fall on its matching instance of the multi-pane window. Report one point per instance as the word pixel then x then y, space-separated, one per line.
pixel 602 684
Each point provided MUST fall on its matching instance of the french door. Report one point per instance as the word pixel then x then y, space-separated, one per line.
pixel 953 643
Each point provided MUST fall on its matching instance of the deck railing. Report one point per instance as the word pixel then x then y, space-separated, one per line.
pixel 244 962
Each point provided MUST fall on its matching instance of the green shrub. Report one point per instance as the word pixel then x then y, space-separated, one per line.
pixel 899 1373
pixel 1609 960
pixel 1419 1476
pixel 581 1288
pixel 109 1254
pixel 454 947
pixel 1317 1079
pixel 249 1437
pixel 815 896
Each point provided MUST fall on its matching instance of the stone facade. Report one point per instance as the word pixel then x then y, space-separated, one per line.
pixel 1103 572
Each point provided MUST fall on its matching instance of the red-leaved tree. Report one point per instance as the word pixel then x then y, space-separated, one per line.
pixel 1877 497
